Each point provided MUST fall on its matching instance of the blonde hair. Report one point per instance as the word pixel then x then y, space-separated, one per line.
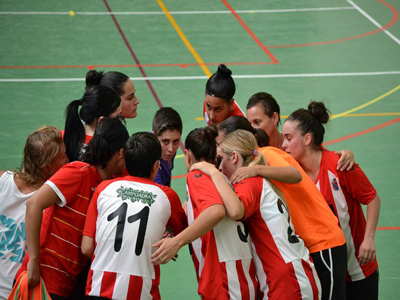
pixel 42 148
pixel 243 143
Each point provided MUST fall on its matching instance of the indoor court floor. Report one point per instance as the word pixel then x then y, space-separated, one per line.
pixel 345 53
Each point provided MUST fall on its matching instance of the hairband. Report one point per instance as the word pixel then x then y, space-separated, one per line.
pixel 255 152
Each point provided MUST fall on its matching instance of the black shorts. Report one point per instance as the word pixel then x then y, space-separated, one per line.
pixel 331 266
pixel 365 289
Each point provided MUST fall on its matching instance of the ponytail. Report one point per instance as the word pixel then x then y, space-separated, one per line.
pixel 74 135
pixel 98 101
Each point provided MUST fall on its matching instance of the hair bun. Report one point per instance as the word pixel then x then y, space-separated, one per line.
pixel 211 131
pixel 319 111
pixel 224 71
pixel 93 77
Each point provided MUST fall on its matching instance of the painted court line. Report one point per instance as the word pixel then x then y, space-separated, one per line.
pixel 91 67
pixel 207 12
pixel 184 39
pixel 373 20
pixel 380 28
pixel 362 132
pixel 133 55
pixel 205 77
pixel 251 33
pixel 366 104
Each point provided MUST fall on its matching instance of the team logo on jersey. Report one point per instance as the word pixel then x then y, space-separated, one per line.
pixel 335 184
pixel 136 195
pixel 12 240
pixel 198 175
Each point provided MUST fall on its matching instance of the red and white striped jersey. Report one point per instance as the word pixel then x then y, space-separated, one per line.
pixel 284 268
pixel 222 257
pixel 126 216
pixel 61 259
pixel 345 192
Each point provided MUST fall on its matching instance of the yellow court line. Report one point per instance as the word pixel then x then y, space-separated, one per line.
pixel 372 115
pixel 180 155
pixel 366 104
pixel 184 39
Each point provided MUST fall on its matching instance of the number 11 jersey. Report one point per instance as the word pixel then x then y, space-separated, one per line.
pixel 126 216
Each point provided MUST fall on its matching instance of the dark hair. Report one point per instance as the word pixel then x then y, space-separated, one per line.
pixel 141 152
pixel 221 84
pixel 238 122
pixel 312 121
pixel 110 136
pixel 112 79
pixel 268 102
pixel 96 102
pixel 166 118
pixel 201 141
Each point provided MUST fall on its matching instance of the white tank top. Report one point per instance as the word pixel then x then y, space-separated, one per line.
pixel 12 231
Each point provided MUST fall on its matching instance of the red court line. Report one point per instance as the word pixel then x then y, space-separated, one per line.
pixel 91 67
pixel 388 228
pixel 390 24
pixel 250 32
pixel 362 132
pixel 179 176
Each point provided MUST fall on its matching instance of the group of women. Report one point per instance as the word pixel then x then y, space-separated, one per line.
pixel 290 227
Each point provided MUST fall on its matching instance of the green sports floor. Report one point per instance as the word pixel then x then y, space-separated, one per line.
pixel 344 53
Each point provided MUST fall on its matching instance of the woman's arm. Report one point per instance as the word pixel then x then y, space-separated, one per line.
pixel 87 246
pixel 288 174
pixel 42 199
pixel 234 207
pixel 367 251
pixel 169 247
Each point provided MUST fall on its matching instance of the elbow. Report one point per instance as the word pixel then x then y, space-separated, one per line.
pixel 236 215
pixel 87 251
pixel 220 213
pixel 298 177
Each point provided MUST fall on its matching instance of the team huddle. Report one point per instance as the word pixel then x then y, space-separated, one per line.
pixel 268 214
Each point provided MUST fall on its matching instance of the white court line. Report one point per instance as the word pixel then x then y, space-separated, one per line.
pixel 205 77
pixel 175 12
pixel 373 21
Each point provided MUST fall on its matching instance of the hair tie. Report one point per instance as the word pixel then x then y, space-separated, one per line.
pixel 255 153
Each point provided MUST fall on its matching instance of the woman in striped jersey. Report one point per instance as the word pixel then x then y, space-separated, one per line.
pixel 219 245
pixel 344 191
pixel 55 215
pixel 283 265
